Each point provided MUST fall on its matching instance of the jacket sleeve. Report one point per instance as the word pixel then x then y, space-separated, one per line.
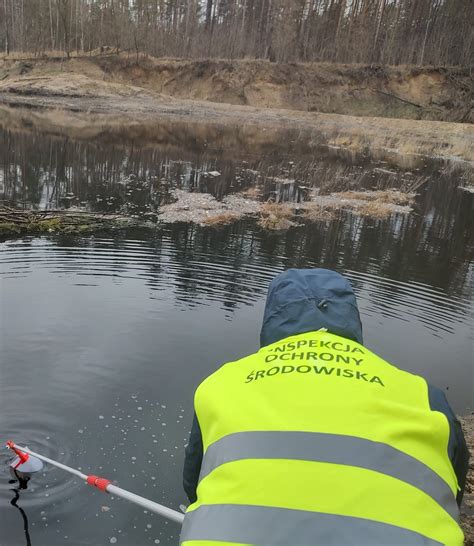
pixel 193 461
pixel 457 448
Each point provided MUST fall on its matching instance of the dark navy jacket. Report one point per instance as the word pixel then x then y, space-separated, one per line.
pixel 304 300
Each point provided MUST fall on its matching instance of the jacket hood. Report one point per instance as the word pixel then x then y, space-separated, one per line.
pixel 304 300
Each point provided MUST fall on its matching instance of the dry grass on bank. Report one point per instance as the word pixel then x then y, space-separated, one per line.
pixel 314 212
pixel 223 219
pixel 376 204
pixel 375 210
pixel 276 217
pixel 392 197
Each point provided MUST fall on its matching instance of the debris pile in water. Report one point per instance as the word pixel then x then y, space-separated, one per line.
pixel 206 210
pixel 276 216
pixel 18 221
pixel 376 204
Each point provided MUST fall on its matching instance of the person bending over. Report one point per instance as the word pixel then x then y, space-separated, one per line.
pixel 315 439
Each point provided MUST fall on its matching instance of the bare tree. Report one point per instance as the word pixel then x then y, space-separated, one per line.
pixel 7 38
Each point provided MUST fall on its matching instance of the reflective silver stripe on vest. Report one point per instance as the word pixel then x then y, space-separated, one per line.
pixel 331 448
pixel 266 526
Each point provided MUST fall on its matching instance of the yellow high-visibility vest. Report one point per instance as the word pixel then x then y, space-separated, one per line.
pixel 316 440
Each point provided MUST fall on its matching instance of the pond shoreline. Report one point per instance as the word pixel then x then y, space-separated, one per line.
pixel 146 118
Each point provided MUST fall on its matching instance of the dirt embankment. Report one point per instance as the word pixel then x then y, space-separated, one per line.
pixel 117 99
pixel 439 94
pixel 410 93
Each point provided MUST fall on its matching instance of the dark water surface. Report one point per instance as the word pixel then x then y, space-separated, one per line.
pixel 104 338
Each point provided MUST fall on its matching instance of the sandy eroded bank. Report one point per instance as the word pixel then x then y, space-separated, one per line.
pixel 116 100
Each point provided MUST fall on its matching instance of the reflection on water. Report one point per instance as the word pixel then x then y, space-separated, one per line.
pixel 49 173
pixel 105 338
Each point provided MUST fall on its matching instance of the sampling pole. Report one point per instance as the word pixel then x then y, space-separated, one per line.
pixel 105 485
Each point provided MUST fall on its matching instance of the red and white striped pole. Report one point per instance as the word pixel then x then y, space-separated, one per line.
pixel 101 483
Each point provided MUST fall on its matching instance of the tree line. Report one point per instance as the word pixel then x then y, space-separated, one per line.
pixel 421 32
